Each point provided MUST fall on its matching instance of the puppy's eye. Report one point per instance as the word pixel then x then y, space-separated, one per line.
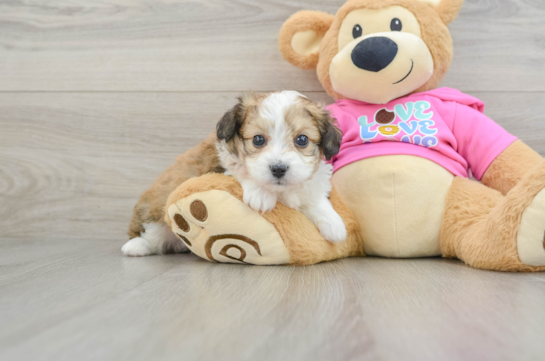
pixel 396 25
pixel 259 141
pixel 301 141
pixel 357 31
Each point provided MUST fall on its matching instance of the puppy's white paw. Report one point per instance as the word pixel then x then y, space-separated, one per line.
pixel 259 200
pixel 333 229
pixel 291 200
pixel 137 247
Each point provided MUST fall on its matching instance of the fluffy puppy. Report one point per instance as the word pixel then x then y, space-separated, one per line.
pixel 275 145
pixel 288 166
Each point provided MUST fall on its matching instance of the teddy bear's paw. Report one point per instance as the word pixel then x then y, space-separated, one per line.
pixel 218 227
pixel 531 234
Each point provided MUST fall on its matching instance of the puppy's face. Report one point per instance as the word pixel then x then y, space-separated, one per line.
pixel 277 140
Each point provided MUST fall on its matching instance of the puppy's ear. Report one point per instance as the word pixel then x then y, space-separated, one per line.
pixel 231 121
pixel 331 135
pixel 300 37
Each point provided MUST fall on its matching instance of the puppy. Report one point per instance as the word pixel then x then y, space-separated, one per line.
pixel 274 145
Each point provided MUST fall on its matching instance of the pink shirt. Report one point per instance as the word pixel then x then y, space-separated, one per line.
pixel 443 125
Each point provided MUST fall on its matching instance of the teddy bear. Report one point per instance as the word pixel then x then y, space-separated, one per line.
pixel 421 172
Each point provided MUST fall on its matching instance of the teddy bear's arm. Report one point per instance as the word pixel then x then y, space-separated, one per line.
pixel 510 166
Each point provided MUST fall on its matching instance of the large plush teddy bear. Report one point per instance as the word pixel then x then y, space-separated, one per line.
pixel 402 177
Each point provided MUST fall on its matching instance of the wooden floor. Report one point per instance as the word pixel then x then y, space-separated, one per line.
pixel 98 97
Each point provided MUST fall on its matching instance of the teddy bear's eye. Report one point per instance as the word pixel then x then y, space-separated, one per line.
pixel 357 31
pixel 396 25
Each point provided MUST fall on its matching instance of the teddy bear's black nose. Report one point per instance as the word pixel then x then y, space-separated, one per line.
pixel 374 54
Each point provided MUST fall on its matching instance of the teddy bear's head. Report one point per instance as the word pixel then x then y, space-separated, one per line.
pixel 373 50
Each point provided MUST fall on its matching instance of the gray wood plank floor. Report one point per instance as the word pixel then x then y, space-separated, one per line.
pixel 78 300
pixel 97 98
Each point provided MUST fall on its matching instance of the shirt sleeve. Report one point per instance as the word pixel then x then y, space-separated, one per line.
pixel 479 139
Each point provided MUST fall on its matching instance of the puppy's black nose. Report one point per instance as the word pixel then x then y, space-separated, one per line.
pixel 374 54
pixel 279 170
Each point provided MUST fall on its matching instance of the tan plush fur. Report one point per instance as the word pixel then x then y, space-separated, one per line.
pixel 195 162
pixel 301 237
pixel 398 202
pixel 480 225
pixel 510 166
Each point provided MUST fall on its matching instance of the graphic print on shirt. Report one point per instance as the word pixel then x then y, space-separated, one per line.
pixel 410 123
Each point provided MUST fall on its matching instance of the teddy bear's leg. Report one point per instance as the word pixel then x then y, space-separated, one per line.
pixel 488 230
pixel 208 215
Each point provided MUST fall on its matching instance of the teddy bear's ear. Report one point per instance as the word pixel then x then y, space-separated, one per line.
pixel 300 37
pixel 447 9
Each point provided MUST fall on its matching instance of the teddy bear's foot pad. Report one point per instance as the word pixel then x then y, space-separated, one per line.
pixel 531 235
pixel 220 228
